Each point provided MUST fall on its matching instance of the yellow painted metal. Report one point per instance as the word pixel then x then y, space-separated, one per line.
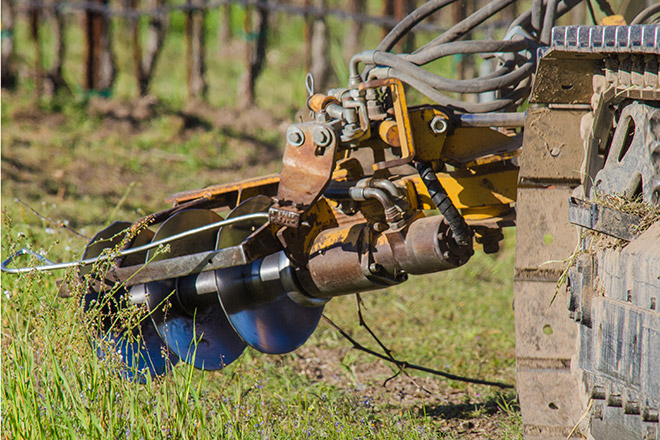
pixel 230 194
pixel 475 215
pixel 469 144
pixel 348 169
pixel 470 191
pixel 389 133
pixel 348 235
pixel 428 145
pixel 493 158
pixel 496 189
pixel 320 217
pixel 613 20
pixel 400 108
pixel 466 147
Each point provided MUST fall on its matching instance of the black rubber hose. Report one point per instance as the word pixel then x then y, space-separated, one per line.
pixel 524 19
pixel 475 85
pixel 549 21
pixel 465 26
pixel 461 106
pixel 459 228
pixel 470 46
pixel 537 17
pixel 410 21
pixel 646 14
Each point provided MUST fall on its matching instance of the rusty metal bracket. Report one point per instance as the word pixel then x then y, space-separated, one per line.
pixel 602 219
pixel 309 159
pixel 371 269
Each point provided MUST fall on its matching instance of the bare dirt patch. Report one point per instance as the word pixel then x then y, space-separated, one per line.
pixel 464 413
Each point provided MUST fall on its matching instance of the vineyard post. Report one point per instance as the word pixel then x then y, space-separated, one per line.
pixel 144 58
pixel 320 69
pixel 100 68
pixel 255 52
pixel 35 24
pixel 9 77
pixel 308 23
pixel 401 9
pixel 195 63
pixel 225 32
pixel 388 11
pixel 55 78
pixel 137 47
pixel 354 34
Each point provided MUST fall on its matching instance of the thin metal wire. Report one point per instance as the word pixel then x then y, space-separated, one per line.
pixel 50 266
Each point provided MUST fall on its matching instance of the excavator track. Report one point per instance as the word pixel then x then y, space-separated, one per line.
pixel 599 378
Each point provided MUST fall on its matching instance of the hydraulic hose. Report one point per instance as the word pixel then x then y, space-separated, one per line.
pixel 524 20
pixel 476 85
pixel 646 14
pixel 537 17
pixel 410 21
pixel 459 228
pixel 549 21
pixel 455 104
pixel 465 26
pixel 471 46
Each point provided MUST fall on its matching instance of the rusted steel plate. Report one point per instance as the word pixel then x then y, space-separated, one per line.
pixel 544 237
pixel 549 398
pixel 179 266
pixel 552 154
pixel 543 328
pixel 230 194
pixel 306 170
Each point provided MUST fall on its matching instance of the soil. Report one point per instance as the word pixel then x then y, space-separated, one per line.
pixel 463 413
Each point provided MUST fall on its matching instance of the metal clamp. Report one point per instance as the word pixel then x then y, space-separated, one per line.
pixel 401 118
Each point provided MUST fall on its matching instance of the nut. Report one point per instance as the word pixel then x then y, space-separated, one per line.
pixel 322 136
pixel 438 125
pixel 295 136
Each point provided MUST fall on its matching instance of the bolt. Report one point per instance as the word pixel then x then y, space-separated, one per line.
pixel 295 136
pixel 555 151
pixel 438 125
pixel 350 132
pixel 379 227
pixel 655 194
pixel 375 267
pixel 322 137
pixel 597 411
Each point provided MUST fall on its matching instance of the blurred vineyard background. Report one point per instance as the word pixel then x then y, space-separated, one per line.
pixel 215 50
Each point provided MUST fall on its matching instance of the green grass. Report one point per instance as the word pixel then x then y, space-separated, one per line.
pixel 75 165
pixel 55 386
